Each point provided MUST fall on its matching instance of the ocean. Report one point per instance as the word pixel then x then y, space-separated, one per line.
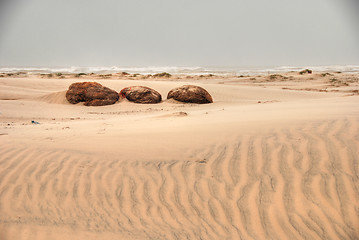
pixel 181 70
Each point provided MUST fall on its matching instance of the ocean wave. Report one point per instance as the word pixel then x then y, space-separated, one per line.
pixel 180 70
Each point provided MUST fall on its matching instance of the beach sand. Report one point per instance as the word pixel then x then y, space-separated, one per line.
pixel 274 157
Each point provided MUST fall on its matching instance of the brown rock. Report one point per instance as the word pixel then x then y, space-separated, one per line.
pixel 162 75
pixel 140 94
pixel 190 94
pixel 92 93
pixel 306 71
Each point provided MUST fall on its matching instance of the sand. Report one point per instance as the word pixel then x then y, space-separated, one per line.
pixel 274 157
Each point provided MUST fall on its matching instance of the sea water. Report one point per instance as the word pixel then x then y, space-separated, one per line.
pixel 182 70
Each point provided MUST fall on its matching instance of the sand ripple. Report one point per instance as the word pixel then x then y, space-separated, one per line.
pixel 296 183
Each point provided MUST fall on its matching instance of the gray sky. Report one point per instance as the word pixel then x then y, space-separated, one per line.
pixel 178 32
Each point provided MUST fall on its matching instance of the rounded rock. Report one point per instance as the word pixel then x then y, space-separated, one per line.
pixel 141 94
pixel 190 94
pixel 91 93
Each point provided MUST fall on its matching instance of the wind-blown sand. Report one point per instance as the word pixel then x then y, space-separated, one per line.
pixel 271 158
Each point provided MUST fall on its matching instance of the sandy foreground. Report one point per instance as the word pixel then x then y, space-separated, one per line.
pixel 274 157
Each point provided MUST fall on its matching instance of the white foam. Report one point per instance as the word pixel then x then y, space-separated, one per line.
pixel 183 70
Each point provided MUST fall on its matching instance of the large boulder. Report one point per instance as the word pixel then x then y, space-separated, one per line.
pixel 190 94
pixel 92 93
pixel 141 94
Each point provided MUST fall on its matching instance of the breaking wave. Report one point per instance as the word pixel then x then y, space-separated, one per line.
pixel 182 70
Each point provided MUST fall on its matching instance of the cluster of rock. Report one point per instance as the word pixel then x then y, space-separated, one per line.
pixel 94 94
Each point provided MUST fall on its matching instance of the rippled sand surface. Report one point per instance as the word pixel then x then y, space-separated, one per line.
pixel 262 162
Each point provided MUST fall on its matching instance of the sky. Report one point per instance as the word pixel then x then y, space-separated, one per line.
pixel 54 33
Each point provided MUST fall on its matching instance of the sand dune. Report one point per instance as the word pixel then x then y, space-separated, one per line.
pixel 235 169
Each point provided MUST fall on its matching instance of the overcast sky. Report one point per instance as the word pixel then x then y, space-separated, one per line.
pixel 178 32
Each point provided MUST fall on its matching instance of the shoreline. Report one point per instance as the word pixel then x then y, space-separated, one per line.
pixel 196 71
pixel 323 81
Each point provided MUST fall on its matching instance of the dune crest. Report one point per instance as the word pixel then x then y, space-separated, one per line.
pixel 57 98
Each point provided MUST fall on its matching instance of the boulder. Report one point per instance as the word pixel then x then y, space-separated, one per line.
pixel 92 93
pixel 190 94
pixel 141 94
pixel 309 71
pixel 163 75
